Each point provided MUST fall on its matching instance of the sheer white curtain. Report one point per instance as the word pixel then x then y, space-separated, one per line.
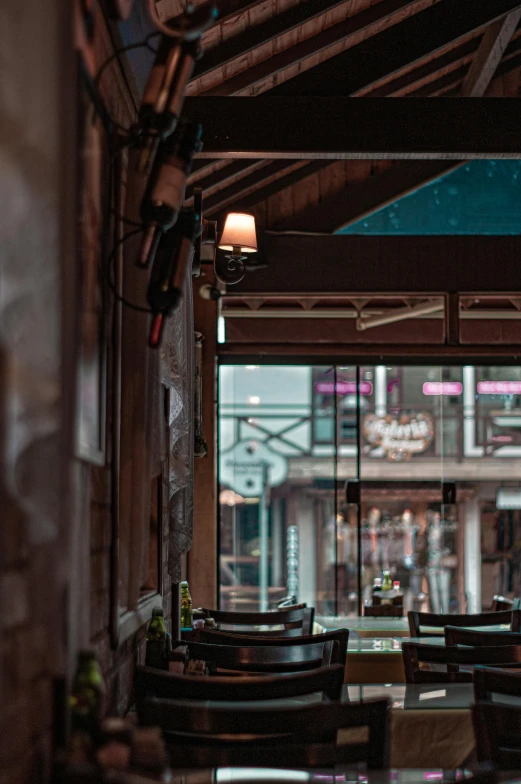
pixel 178 376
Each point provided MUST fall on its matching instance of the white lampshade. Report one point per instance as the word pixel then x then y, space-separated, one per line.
pixel 239 232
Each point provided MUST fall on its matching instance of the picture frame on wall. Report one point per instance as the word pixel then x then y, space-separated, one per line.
pixel 93 168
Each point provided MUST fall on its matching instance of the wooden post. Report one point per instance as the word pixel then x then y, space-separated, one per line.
pixel 202 558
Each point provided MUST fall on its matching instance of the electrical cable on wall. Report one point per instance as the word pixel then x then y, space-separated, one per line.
pixel 169 230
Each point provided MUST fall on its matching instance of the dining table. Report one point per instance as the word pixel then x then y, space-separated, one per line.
pixel 347 774
pixel 374 651
pixel 340 775
pixel 364 627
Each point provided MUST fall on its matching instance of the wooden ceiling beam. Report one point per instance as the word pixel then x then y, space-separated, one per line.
pixel 312 128
pixel 353 265
pixel 356 203
pixel 261 76
pixel 491 50
pixel 243 353
pixel 274 27
pixel 414 39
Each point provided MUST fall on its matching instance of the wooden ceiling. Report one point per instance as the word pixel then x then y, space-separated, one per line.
pixel 355 48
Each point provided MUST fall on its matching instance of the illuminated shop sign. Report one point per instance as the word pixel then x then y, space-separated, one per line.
pixel 442 388
pixel 343 387
pixel 499 387
pixel 400 436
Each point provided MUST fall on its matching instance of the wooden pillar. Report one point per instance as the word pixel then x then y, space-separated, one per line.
pixel 202 558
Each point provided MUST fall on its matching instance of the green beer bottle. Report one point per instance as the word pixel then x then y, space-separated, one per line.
pixel 86 700
pixel 156 652
pixel 186 607
pixel 387 583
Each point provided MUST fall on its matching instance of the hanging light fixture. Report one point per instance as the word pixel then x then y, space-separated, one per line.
pixel 238 237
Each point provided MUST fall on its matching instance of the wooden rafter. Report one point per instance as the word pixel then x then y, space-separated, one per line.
pixel 223 178
pixel 351 31
pixel 312 128
pixel 170 9
pixel 489 54
pixel 454 60
pixel 411 41
pixel 261 34
pixel 240 190
pixel 355 203
pixel 420 75
pixel 286 177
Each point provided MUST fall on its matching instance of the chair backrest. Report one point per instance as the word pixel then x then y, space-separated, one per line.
pixel 264 658
pixel 229 638
pixel 384 611
pixel 437 621
pixel 295 621
pixel 492 680
pixel 498 734
pixel 151 682
pixel 501 603
pixel 456 636
pixel 416 653
pixel 199 735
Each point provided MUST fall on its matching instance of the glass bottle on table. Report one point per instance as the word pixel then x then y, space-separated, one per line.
pixel 86 700
pixel 186 607
pixel 387 583
pixel 156 650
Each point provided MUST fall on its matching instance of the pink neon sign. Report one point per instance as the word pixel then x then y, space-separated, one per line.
pixel 499 387
pixel 442 388
pixel 343 387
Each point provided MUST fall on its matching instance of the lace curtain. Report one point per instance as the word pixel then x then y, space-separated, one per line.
pixel 177 376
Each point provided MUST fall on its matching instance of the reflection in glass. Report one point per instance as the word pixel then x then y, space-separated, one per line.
pixel 289 441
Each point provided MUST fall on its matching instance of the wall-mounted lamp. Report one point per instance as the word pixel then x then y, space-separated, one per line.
pixel 238 237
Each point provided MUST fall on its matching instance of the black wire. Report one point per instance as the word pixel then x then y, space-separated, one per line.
pixel 122 50
pixel 112 255
pixel 115 55
pixel 110 280
pixel 128 221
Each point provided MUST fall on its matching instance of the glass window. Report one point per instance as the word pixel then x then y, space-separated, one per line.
pixel 434 454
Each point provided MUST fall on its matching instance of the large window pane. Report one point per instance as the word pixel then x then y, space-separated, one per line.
pixel 275 480
pixel 432 453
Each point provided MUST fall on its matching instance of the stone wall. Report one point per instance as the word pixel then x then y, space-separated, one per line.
pixel 34 388
pixel 56 514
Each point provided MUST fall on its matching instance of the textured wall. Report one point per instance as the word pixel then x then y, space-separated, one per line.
pixel 33 544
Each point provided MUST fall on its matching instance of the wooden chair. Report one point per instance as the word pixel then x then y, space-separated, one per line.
pixel 416 653
pixel 151 682
pixel 199 735
pixel 228 638
pixel 383 611
pixel 265 658
pixel 492 680
pixel 436 621
pixel 498 734
pixel 295 621
pixel 456 636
